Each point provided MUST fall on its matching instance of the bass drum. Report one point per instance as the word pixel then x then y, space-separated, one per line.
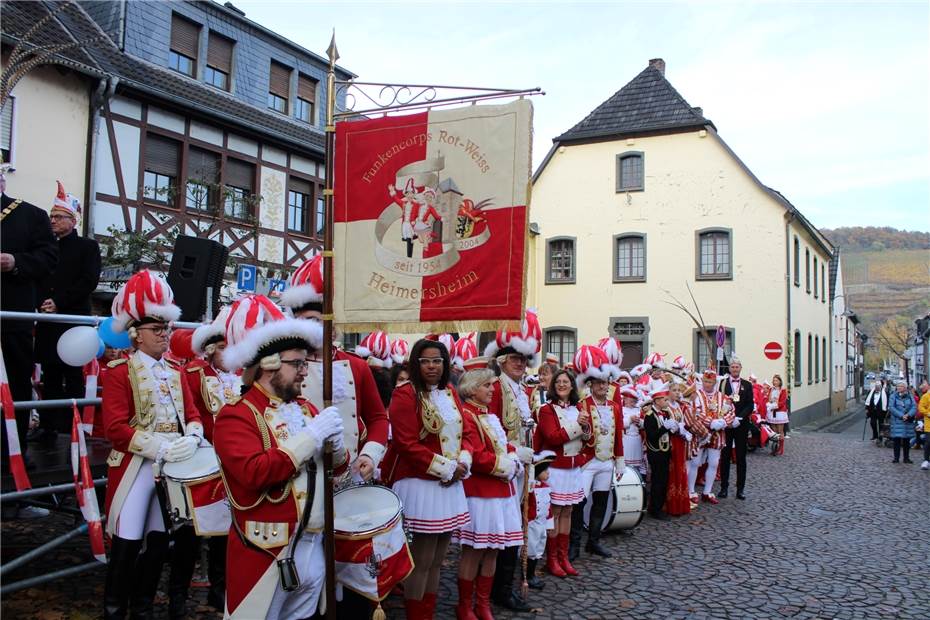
pixel 626 503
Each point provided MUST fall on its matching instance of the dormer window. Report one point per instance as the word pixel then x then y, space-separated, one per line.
pixel 185 40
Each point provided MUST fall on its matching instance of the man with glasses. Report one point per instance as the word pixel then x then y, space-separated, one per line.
pixel 150 418
pixel 513 352
pixel 66 290
pixel 269 446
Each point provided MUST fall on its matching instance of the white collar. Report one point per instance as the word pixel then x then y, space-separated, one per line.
pixel 150 361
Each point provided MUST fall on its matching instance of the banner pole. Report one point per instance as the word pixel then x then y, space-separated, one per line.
pixel 329 542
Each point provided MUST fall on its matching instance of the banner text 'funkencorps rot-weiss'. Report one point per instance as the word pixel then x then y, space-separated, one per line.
pixel 430 215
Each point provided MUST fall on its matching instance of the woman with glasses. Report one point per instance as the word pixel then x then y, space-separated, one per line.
pixel 564 429
pixel 429 456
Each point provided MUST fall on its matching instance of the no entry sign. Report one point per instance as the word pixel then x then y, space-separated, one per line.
pixel 772 350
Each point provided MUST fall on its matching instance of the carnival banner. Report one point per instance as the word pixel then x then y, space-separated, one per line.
pixel 430 219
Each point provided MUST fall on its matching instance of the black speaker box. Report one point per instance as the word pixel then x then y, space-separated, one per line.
pixel 196 264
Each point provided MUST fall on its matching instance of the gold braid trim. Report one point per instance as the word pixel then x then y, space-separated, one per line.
pixel 429 417
pixel 510 416
pixel 266 445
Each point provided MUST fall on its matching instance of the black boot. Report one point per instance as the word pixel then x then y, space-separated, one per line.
pixel 184 553
pixel 119 579
pixel 147 575
pixel 598 508
pixel 502 592
pixel 574 534
pixel 532 579
pixel 216 570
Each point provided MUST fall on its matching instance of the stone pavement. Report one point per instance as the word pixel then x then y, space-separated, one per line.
pixel 831 530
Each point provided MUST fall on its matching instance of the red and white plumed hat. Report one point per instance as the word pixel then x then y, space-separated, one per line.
pixel 656 360
pixel 552 358
pixel 527 341
pixel 257 330
pixel 306 285
pixel 659 391
pixel 146 295
pixel 376 348
pixel 614 351
pixel 207 335
pixel 709 373
pixel 630 391
pixel 66 203
pixel 448 341
pixel 591 363
pixel 400 350
pixel 639 370
pixel 464 350
pixel 678 363
pixel 625 375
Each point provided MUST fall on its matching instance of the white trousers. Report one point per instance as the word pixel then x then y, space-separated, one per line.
pixel 711 456
pixel 535 539
pixel 597 475
pixel 140 513
pixel 311 567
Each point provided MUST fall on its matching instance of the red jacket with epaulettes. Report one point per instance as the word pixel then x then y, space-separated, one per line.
pixel 194 372
pixel 550 435
pixel 590 405
pixel 486 462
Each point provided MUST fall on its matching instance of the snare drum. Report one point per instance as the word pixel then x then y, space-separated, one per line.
pixel 371 546
pixel 195 493
pixel 626 503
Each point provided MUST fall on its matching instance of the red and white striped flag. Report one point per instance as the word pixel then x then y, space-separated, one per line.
pixel 84 487
pixel 17 465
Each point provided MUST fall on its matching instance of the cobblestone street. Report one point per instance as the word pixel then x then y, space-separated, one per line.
pixel 831 530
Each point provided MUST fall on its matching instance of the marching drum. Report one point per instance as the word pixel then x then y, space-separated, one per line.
pixel 371 546
pixel 195 494
pixel 626 503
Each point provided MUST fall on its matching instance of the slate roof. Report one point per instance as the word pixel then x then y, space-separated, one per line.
pixel 105 58
pixel 647 103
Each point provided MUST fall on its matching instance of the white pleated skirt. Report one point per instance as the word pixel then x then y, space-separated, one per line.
pixel 633 450
pixel 495 523
pixel 777 417
pixel 430 508
pixel 567 486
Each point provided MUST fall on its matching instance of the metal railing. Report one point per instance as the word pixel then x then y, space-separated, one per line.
pixel 74 319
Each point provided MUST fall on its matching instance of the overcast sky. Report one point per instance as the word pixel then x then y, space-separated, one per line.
pixel 826 102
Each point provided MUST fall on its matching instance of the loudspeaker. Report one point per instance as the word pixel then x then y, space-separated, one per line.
pixel 196 264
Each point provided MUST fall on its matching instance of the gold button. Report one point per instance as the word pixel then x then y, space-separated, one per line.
pixel 274 532
pixel 256 532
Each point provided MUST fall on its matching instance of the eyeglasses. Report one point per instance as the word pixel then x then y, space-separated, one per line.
pixel 59 216
pixel 297 365
pixel 158 331
pixel 517 359
pixel 430 361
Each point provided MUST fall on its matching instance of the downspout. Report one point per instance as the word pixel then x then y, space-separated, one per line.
pixel 790 335
pixel 830 332
pixel 104 92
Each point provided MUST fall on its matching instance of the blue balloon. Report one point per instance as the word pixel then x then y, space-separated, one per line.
pixel 101 349
pixel 110 338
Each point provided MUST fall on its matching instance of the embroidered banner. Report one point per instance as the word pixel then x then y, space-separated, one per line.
pixel 430 215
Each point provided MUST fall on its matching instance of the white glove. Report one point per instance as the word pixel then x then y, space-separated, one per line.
pixel 684 433
pixel 619 466
pixel 339 445
pixel 716 425
pixel 525 454
pixel 736 422
pixel 671 425
pixel 326 424
pixel 181 449
pixel 518 468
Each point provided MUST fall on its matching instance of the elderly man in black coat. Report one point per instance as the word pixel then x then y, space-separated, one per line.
pixel 27 254
pixel 66 290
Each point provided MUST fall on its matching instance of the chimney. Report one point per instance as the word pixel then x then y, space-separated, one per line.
pixel 658 64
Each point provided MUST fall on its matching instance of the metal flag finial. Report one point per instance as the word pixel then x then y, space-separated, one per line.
pixel 332 51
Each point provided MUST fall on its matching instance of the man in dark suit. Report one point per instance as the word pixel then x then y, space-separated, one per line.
pixel 27 254
pixel 66 290
pixel 740 392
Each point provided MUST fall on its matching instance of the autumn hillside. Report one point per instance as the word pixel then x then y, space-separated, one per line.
pixel 886 272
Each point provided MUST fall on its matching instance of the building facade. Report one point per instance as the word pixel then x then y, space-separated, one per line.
pixel 641 201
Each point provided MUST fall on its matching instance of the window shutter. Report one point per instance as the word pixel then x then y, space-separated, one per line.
pixel 306 88
pixel 279 80
pixel 184 36
pixel 161 155
pixel 298 185
pixel 219 52
pixel 6 127
pixel 202 166
pixel 239 174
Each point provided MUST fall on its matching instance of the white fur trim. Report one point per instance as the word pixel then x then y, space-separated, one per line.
pixel 241 353
pixel 603 372
pixel 363 351
pixel 167 313
pixel 374 451
pixel 490 351
pixel 202 334
pixel 297 296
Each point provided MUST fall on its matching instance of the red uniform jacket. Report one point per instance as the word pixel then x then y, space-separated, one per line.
pixel 259 476
pixel 591 406
pixel 413 449
pixel 486 463
pixel 118 409
pixel 372 418
pixel 551 436
pixel 193 375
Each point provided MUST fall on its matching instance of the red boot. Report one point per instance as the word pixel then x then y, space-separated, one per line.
pixel 429 605
pixel 414 609
pixel 563 556
pixel 483 604
pixel 552 557
pixel 463 609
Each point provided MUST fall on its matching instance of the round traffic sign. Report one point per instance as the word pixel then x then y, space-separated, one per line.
pixel 772 350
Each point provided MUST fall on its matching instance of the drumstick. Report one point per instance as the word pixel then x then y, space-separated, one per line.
pixel 524 585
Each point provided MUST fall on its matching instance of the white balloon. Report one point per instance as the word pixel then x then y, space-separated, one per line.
pixel 78 345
